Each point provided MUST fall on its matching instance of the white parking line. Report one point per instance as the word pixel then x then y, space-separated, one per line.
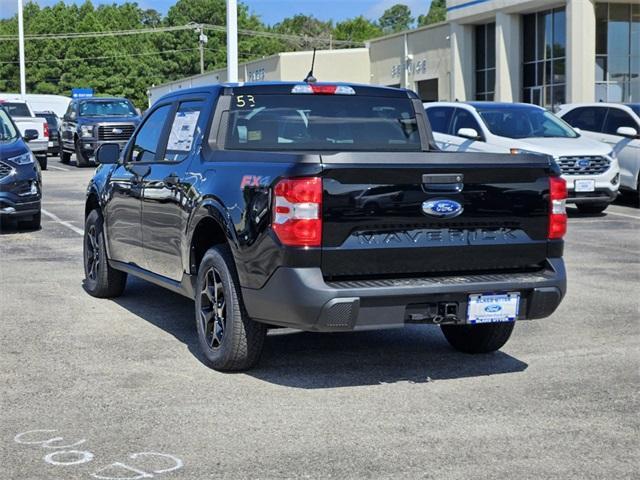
pixel 53 167
pixel 623 215
pixel 57 219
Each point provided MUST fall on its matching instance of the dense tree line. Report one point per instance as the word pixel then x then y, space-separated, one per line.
pixel 129 64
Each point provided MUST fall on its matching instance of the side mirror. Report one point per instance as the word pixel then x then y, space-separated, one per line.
pixel 108 153
pixel 30 135
pixel 470 133
pixel 628 132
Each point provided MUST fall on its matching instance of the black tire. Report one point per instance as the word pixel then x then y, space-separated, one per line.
pixel 229 339
pixel 592 208
pixel 81 160
pixel 42 160
pixel 100 280
pixel 34 223
pixel 65 157
pixel 482 338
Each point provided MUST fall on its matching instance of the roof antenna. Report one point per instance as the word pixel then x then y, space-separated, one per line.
pixel 310 78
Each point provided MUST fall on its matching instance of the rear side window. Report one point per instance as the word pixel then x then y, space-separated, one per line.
pixel 617 118
pixel 321 122
pixel 184 130
pixel 440 118
pixel 17 109
pixel 586 118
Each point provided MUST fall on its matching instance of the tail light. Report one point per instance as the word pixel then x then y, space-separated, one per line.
pixel 557 208
pixel 297 212
pixel 46 130
pixel 322 89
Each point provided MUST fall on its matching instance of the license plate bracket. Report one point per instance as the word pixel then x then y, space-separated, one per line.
pixel 493 307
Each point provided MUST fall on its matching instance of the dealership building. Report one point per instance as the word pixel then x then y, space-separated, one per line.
pixel 545 52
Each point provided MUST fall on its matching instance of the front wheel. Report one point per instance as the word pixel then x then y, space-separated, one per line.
pixel 42 160
pixel 478 338
pixel 100 280
pixel 229 339
pixel 592 208
pixel 81 160
pixel 65 157
pixel 34 223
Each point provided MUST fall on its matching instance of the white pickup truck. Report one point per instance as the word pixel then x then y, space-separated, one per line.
pixel 25 119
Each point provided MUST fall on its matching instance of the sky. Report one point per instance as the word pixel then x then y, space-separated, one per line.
pixel 272 11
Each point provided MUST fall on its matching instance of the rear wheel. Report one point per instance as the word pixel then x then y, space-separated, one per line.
pixel 480 338
pixel 101 280
pixel 65 157
pixel 81 160
pixel 592 207
pixel 229 339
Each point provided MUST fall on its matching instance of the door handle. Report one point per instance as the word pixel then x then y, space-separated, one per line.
pixel 443 182
pixel 171 180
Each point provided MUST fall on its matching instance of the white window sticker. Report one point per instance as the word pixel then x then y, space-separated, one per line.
pixel 182 131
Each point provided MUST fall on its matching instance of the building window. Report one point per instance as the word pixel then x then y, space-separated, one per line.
pixel 544 61
pixel 485 61
pixel 617 52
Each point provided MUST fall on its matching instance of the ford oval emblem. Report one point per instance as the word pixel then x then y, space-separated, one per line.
pixel 492 308
pixel 116 131
pixel 442 208
pixel 583 163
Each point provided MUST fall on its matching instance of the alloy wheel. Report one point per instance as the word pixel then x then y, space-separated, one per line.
pixel 92 253
pixel 213 309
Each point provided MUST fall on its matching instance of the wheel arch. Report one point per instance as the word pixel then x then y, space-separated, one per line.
pixel 210 226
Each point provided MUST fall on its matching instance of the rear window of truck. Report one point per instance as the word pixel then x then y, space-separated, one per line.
pixel 322 122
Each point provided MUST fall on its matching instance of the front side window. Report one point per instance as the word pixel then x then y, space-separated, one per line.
pixel 617 118
pixel 7 130
pixel 322 122
pixel 145 146
pixel 589 119
pixel 524 122
pixel 544 57
pixel 107 108
pixel 17 109
pixel 440 118
pixel 464 119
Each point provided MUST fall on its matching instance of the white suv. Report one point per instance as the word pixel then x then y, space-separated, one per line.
pixel 589 167
pixel 617 125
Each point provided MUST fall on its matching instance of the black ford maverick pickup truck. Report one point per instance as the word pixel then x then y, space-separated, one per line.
pixel 323 207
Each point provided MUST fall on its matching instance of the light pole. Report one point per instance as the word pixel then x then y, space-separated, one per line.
pixel 23 81
pixel 232 41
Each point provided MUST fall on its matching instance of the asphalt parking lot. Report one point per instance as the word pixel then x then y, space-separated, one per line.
pixel 116 389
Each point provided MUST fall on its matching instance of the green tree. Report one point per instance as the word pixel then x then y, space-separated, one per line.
pixel 357 29
pixel 306 26
pixel 396 18
pixel 437 13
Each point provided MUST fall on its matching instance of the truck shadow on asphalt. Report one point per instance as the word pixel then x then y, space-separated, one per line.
pixel 415 354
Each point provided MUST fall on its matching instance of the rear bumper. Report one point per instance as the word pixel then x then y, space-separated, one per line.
pixel 301 298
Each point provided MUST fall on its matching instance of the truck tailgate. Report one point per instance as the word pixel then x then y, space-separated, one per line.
pixel 377 219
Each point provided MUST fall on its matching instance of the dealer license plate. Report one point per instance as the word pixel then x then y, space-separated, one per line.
pixel 492 308
pixel 585 185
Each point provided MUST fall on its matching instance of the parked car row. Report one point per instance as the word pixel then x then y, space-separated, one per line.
pixel 596 147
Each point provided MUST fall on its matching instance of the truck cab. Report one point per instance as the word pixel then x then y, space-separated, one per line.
pixel 91 122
